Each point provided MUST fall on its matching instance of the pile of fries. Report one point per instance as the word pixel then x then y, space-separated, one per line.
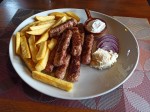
pixel 35 52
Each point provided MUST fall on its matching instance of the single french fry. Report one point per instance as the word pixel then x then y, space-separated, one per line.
pixel 33 47
pixel 52 43
pixel 42 50
pixel 60 15
pixel 24 47
pixel 41 26
pixel 29 63
pixel 18 41
pixel 43 37
pixel 73 15
pixel 43 62
pixel 62 84
pixel 68 17
pixel 44 18
pixel 60 21
pixel 57 14
pixel 46 22
pixel 38 32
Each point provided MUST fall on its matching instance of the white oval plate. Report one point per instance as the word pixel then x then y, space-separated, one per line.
pixel 92 82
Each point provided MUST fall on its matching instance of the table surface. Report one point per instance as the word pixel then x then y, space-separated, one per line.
pixel 131 8
pixel 17 101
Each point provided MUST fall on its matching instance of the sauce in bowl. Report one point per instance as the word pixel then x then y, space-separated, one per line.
pixel 95 26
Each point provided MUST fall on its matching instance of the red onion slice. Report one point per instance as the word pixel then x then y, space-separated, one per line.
pixel 108 48
pixel 111 40
pixel 108 42
pixel 108 36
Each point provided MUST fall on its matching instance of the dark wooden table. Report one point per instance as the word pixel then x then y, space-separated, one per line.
pixel 130 8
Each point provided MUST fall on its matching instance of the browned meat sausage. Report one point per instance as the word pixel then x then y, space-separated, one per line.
pixel 74 69
pixel 62 48
pixel 82 38
pixel 76 43
pixel 87 49
pixel 74 29
pixel 49 68
pixel 82 31
pixel 61 70
pixel 62 27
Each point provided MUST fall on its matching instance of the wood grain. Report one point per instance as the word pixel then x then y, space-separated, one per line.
pixel 130 8
pixel 26 106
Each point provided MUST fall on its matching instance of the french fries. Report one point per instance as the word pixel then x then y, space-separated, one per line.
pixel 43 37
pixel 64 85
pixel 41 26
pixel 18 41
pixel 29 63
pixel 38 32
pixel 44 18
pixel 60 21
pixel 52 43
pixel 58 14
pixel 33 45
pixel 41 53
pixel 45 22
pixel 24 47
pixel 23 31
pixel 43 62
pixel 73 15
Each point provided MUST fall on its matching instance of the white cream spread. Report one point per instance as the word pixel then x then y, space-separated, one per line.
pixel 96 26
pixel 102 59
